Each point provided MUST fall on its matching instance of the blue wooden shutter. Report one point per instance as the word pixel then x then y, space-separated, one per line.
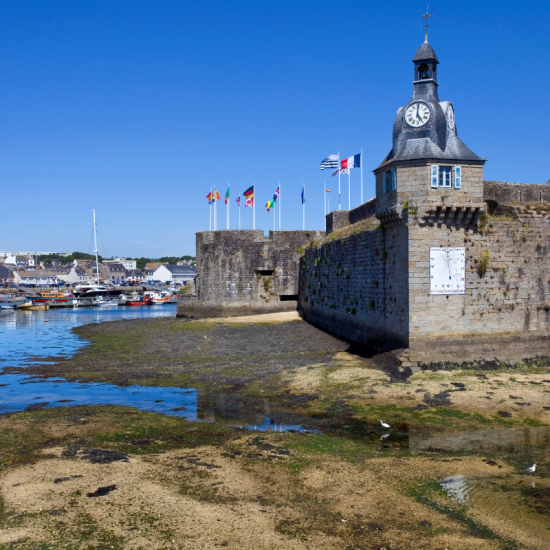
pixel 384 182
pixel 393 179
pixel 435 175
pixel 458 177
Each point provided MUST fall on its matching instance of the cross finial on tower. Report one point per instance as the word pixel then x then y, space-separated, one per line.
pixel 426 17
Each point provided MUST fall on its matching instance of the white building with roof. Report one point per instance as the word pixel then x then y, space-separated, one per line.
pixel 177 274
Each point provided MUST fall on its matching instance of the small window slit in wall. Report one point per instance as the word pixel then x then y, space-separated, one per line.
pixel 264 272
pixel 288 297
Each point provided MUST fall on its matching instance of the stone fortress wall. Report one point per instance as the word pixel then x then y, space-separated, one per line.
pixel 244 272
pixel 360 283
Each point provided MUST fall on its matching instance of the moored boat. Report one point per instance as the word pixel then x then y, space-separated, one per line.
pixel 162 297
pixel 54 296
pixel 94 291
pixel 101 301
pixel 137 301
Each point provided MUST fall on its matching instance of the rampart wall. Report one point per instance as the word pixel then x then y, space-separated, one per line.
pixel 504 192
pixel 354 283
pixel 245 272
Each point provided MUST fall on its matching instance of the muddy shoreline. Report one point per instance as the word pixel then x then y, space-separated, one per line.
pixel 116 477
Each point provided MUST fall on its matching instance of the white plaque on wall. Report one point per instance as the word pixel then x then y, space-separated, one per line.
pixel 447 270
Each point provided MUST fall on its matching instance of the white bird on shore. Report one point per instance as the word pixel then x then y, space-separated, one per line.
pixel 531 469
pixel 384 425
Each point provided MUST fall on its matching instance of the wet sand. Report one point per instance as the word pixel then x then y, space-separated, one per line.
pixel 180 484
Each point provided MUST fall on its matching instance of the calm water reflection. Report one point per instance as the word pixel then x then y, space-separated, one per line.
pixel 28 335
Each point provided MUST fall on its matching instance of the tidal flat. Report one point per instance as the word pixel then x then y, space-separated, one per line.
pixel 447 474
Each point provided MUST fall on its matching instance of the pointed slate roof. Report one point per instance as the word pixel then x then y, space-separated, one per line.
pixel 425 52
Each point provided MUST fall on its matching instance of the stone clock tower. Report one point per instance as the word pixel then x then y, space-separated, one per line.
pixel 429 165
pixel 429 197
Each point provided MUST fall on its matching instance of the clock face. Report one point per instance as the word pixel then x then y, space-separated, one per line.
pixel 451 117
pixel 417 114
pixel 447 270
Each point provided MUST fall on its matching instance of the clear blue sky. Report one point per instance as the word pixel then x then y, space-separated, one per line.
pixel 137 108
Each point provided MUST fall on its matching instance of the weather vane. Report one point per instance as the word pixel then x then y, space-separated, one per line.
pixel 426 17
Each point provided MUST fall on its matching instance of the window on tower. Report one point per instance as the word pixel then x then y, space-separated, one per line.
pixel 445 176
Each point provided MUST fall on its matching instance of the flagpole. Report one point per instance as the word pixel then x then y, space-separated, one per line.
pixel 215 213
pixel 349 188
pixel 304 208
pixel 211 208
pixel 228 202
pixel 274 215
pixel 279 206
pixel 254 206
pixel 361 176
pixel 339 180
pixel 325 203
pixel 239 216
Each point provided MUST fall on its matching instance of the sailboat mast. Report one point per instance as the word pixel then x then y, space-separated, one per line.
pixel 95 249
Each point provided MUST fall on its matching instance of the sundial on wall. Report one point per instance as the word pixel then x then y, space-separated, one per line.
pixel 447 270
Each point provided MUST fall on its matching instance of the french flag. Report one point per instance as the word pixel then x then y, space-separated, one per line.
pixel 351 162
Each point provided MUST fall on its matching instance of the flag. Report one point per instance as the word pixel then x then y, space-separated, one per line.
pixel 351 162
pixel 227 194
pixel 270 204
pixel 335 173
pixel 238 201
pixel 344 171
pixel 303 195
pixel 276 194
pixel 330 162
pixel 327 190
pixel 249 194
pixel 209 197
pixel 217 196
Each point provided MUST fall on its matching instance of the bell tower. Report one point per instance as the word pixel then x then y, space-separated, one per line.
pixel 428 164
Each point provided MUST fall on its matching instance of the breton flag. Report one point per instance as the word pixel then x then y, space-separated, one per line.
pixel 227 194
pixel 249 194
pixel 238 201
pixel 351 162
pixel 270 204
pixel 330 162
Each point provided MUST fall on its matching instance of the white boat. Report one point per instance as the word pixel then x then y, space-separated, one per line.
pixel 162 297
pixel 101 301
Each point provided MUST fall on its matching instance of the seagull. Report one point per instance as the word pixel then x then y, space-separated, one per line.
pixel 531 469
pixel 384 436
pixel 384 425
